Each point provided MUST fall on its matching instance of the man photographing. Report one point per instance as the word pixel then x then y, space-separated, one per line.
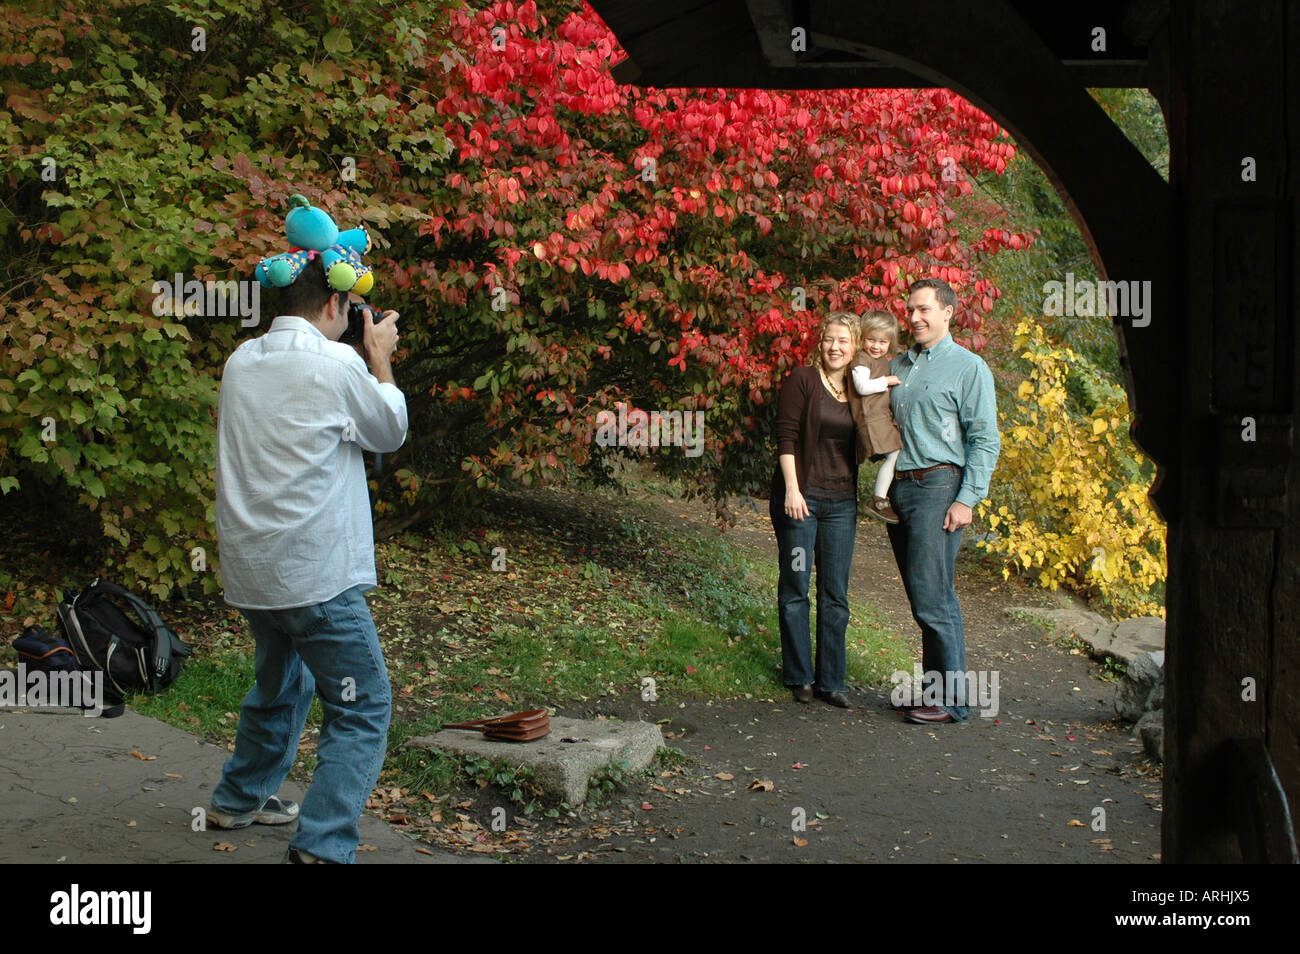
pixel 297 408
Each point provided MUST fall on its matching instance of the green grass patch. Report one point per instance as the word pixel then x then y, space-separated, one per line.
pixel 204 697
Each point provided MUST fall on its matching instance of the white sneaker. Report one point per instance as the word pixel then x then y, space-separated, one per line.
pixel 276 811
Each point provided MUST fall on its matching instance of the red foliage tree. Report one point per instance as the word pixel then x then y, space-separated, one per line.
pixel 655 247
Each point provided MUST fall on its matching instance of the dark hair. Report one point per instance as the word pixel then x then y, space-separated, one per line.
pixel 308 294
pixel 942 291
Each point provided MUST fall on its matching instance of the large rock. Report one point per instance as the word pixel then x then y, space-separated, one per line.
pixel 1143 676
pixel 1137 637
pixel 562 769
pixel 1152 729
pixel 1125 641
pixel 1092 628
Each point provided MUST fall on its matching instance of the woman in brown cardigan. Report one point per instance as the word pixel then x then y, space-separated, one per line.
pixel 814 510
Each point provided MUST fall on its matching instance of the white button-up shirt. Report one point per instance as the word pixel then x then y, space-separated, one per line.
pixel 293 512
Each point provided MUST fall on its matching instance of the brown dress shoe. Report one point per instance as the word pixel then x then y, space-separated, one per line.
pixel 879 507
pixel 802 693
pixel 928 715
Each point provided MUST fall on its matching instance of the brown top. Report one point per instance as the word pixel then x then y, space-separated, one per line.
pixel 834 475
pixel 799 432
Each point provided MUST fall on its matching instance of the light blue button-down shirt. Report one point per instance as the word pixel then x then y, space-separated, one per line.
pixel 947 411
pixel 293 512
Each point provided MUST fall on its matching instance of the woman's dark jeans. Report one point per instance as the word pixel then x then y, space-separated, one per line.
pixel 823 539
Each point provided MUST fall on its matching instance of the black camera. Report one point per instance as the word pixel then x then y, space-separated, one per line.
pixel 357 314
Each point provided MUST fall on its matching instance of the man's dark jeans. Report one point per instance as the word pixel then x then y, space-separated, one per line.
pixel 927 561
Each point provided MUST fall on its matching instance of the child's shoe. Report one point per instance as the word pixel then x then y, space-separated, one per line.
pixel 879 507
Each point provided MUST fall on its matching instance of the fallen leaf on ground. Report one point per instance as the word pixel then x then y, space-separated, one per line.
pixel 224 846
pixel 725 776
pixel 647 807
pixel 172 775
pixel 1075 823
pixel 800 842
pixel 762 785
pixel 424 851
pixel 366 848
pixel 144 758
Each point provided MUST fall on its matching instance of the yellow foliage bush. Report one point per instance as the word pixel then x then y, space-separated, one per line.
pixel 1068 499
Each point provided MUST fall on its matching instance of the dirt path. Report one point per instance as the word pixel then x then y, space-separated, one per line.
pixel 871 787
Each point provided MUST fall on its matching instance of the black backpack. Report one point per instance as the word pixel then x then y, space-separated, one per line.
pixel 41 651
pixel 145 655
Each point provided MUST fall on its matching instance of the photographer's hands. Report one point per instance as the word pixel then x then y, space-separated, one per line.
pixel 379 341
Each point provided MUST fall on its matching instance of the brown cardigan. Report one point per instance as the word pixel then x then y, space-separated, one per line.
pixel 798 426
pixel 877 432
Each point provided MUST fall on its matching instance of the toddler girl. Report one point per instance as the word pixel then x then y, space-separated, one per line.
pixel 877 433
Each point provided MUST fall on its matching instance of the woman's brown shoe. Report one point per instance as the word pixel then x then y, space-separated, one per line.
pixel 879 507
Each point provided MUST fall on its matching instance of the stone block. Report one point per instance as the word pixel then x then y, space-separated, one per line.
pixel 563 769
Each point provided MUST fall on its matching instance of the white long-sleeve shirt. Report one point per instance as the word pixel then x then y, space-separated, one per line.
pixel 293 512
pixel 865 384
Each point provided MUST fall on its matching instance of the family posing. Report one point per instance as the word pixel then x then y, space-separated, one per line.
pixel 930 413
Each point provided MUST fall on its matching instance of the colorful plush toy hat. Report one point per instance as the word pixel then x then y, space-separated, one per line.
pixel 312 233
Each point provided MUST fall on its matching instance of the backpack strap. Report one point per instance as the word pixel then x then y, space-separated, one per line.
pixel 165 642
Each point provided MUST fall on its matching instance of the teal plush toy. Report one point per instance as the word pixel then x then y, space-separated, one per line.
pixel 311 234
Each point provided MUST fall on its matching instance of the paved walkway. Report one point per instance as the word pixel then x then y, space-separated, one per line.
pixel 72 791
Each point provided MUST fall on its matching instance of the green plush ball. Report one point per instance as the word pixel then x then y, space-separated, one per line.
pixel 342 276
pixel 280 273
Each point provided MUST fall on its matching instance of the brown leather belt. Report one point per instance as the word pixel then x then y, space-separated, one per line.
pixel 918 474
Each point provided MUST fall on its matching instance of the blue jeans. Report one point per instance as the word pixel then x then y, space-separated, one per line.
pixel 927 561
pixel 328 649
pixel 825 539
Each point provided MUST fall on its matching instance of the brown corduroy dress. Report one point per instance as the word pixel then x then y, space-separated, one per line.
pixel 877 432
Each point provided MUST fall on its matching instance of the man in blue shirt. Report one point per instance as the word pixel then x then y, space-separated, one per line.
pixel 297 551
pixel 945 407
